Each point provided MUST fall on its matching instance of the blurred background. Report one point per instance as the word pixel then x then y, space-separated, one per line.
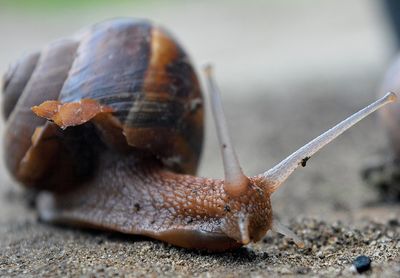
pixel 288 70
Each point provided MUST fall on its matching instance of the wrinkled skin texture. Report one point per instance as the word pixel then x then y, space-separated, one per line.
pixel 134 195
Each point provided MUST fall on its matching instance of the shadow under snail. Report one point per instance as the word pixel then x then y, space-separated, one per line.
pixel 117 136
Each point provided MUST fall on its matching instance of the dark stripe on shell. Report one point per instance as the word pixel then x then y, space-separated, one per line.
pixel 110 65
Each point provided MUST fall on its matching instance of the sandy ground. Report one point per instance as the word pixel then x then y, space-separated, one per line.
pixel 282 91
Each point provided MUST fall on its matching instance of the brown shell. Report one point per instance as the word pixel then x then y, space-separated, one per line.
pixel 15 81
pixel 141 72
pixel 45 83
pixel 132 66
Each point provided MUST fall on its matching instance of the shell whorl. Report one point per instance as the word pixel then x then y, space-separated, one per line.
pixel 15 80
pixel 132 66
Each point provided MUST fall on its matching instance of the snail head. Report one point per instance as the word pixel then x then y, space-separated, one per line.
pixel 248 198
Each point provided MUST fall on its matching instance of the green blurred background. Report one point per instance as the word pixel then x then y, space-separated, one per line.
pixel 48 5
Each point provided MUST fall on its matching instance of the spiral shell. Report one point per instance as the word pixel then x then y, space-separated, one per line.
pixel 131 66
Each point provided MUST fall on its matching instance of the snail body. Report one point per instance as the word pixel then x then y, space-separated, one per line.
pixel 117 137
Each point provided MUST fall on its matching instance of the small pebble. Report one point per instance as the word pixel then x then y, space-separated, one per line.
pixel 393 222
pixel 362 264
pixel 302 270
pixel 320 255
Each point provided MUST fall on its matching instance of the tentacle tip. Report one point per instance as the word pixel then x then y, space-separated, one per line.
pixel 391 97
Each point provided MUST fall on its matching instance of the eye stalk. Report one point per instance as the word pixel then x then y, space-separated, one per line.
pixel 235 183
pixel 275 177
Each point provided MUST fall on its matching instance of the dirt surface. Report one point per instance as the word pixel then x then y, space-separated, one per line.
pixel 330 249
pixel 272 109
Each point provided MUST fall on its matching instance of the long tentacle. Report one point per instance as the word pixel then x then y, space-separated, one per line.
pixel 274 177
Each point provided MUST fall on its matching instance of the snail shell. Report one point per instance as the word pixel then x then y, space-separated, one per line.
pixel 132 66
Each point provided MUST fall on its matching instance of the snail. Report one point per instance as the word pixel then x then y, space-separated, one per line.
pixel 384 175
pixel 108 126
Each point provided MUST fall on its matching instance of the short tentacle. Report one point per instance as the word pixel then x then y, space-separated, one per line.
pixel 283 230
